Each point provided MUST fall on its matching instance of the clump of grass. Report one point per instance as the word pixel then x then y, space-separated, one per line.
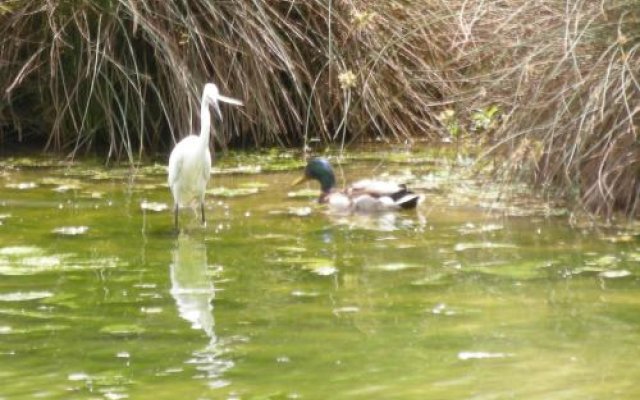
pixel 573 124
pixel 126 76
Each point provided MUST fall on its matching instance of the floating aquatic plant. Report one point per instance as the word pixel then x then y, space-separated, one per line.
pixel 395 266
pixel 480 355
pixel 482 245
pixel 22 185
pixel 154 206
pixel 24 296
pixel 71 230
pixel 221 191
pixel 123 330
pixel 303 194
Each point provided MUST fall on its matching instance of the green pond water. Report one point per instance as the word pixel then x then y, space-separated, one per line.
pixel 472 296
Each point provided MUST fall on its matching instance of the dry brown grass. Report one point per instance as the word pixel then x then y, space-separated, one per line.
pixel 573 123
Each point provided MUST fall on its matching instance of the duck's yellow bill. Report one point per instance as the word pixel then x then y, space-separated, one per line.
pixel 299 180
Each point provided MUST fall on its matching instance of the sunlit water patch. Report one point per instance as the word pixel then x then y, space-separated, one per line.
pixel 473 295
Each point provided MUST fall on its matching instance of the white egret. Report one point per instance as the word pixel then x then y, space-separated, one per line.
pixel 190 159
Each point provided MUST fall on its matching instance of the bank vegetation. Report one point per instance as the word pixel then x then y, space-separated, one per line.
pixel 548 88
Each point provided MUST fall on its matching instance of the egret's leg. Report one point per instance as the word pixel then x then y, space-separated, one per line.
pixel 175 217
pixel 202 212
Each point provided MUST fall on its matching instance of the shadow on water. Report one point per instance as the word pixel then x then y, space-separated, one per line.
pixel 193 289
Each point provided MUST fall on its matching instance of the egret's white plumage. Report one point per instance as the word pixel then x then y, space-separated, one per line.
pixel 190 159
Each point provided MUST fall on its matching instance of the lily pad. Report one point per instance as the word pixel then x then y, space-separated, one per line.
pixel 508 269
pixel 472 229
pixel 105 381
pixel 154 206
pixel 55 181
pixel 396 266
pixel 588 270
pixel 257 185
pixel 433 279
pixel 322 270
pixel 483 245
pixel 620 238
pixel 65 188
pixel 299 211
pixel 17 251
pixel 478 355
pixel 102 175
pixel 303 294
pixel 318 266
pixel 233 192
pixel 44 262
pixel 25 162
pixel 303 194
pixel 23 313
pixel 346 310
pixel 22 185
pixel 291 249
pixel 604 261
pixel 71 230
pixel 239 169
pixel 92 195
pixel 151 310
pixel 37 329
pixel 148 187
pixel 68 300
pixel 442 309
pixel 614 274
pixel 57 262
pixel 123 330
pixel 78 376
pixel 24 296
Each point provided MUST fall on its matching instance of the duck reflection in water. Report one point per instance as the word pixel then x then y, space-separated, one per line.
pixel 193 290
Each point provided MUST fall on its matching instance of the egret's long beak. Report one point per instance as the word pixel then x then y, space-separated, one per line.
pixel 299 180
pixel 225 99
pixel 230 100
pixel 216 108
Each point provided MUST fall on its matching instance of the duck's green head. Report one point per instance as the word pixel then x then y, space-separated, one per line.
pixel 320 170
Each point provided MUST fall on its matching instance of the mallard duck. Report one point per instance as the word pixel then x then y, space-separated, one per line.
pixel 366 195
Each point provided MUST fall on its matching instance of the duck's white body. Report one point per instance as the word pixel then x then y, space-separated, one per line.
pixel 371 196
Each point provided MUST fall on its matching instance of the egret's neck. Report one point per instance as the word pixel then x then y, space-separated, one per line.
pixel 205 123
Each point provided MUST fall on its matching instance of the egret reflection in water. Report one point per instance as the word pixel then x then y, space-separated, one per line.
pixel 193 289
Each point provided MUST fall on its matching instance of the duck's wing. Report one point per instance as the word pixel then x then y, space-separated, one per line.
pixel 366 203
pixel 408 200
pixel 369 194
pixel 376 188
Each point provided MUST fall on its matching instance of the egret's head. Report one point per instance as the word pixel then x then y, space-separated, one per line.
pixel 320 170
pixel 211 92
pixel 211 95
